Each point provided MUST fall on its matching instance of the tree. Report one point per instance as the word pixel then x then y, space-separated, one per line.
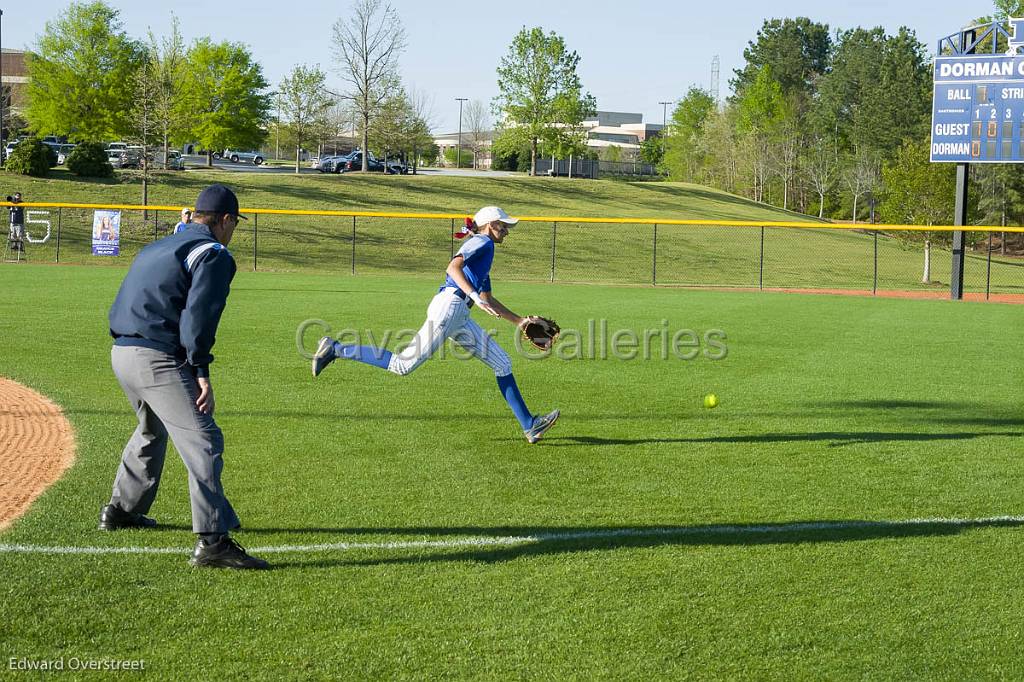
pixel 918 192
pixel 478 125
pixel 332 125
pixel 861 175
pixel 168 68
pixel 90 160
pixel 223 94
pixel 821 165
pixel 1008 8
pixel 785 149
pixel 760 113
pixel 725 152
pixel 31 157
pixel 452 157
pixel 539 90
pixel 796 50
pixel 652 150
pixel 401 126
pixel 510 152
pixel 367 46
pixel 78 74
pixel 304 103
pixel 145 86
pixel 683 157
pixel 878 92
pixel 612 153
pixel 387 125
pixel 418 136
pixel 568 137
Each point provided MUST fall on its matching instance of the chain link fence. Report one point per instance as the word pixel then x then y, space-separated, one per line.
pixel 714 255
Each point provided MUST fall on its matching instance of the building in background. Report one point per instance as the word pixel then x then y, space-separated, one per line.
pixel 606 129
pixel 14 89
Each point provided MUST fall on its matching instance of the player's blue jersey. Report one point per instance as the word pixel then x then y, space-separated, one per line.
pixel 477 255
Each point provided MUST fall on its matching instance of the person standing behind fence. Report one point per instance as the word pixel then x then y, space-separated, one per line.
pixel 16 237
pixel 186 218
pixel 164 321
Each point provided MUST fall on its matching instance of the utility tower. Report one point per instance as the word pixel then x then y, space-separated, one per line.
pixel 715 67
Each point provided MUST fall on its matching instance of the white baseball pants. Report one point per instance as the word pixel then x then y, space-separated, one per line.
pixel 448 318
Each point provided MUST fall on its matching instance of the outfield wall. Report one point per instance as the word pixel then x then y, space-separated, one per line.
pixel 712 253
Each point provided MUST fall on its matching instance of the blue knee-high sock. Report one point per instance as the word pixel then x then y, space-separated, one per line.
pixel 378 357
pixel 510 391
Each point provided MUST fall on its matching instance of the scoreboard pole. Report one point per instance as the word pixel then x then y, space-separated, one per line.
pixel 956 279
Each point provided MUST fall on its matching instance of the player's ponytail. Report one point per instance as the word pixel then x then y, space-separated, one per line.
pixel 469 229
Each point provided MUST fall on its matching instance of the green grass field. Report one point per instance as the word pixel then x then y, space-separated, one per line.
pixel 833 411
pixel 599 253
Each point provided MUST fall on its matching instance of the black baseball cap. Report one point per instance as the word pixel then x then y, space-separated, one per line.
pixel 218 199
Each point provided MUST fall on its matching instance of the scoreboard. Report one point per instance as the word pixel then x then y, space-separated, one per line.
pixel 978 109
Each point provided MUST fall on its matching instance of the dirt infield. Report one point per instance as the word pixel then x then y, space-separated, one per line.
pixel 37 445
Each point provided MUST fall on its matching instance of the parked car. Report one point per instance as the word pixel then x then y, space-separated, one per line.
pixel 11 145
pixel 334 163
pixel 325 164
pixel 127 157
pixel 55 146
pixel 354 162
pixel 62 153
pixel 235 156
pixel 174 160
pixel 398 167
pixel 117 145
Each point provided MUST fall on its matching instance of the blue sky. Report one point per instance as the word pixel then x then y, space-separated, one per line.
pixel 632 56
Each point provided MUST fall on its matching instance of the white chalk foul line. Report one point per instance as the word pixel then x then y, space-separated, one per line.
pixel 568 536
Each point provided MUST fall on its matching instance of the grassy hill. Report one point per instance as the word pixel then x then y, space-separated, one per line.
pixel 521 195
pixel 583 252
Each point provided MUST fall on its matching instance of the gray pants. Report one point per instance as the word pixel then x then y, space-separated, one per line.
pixel 163 394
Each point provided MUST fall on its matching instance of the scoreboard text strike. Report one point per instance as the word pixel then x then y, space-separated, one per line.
pixel 978 109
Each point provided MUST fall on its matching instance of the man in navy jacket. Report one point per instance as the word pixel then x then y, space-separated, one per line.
pixel 164 324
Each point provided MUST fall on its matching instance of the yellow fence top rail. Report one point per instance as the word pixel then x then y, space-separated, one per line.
pixel 809 224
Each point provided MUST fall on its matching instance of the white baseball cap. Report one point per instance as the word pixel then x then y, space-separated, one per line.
pixel 488 214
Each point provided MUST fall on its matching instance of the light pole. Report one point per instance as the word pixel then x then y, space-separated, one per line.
pixel 458 156
pixel 277 144
pixel 664 122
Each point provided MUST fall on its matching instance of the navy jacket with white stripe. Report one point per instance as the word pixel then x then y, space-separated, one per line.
pixel 172 298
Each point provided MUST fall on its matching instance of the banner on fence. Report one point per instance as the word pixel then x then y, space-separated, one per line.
pixel 106 233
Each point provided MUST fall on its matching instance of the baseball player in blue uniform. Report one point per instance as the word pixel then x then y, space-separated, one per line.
pixel 467 283
pixel 186 220
pixel 164 323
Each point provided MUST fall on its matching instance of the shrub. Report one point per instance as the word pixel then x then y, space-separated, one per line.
pixel 31 157
pixel 508 161
pixel 89 159
pixel 451 153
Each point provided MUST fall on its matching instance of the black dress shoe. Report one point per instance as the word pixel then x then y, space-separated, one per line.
pixel 225 553
pixel 113 517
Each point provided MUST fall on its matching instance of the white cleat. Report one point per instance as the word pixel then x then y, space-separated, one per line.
pixel 540 426
pixel 324 355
